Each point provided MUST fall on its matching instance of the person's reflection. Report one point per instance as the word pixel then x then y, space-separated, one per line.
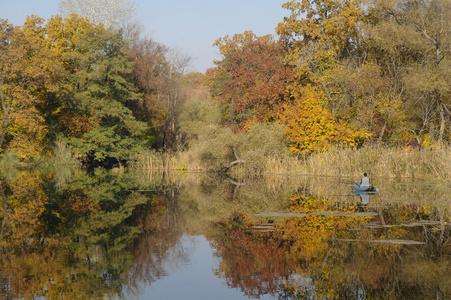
pixel 365 197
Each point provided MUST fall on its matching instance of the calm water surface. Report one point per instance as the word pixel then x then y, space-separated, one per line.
pixel 193 278
pixel 129 235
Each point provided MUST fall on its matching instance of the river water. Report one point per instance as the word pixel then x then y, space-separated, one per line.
pixel 72 234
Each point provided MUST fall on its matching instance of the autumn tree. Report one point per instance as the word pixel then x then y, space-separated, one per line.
pixel 88 102
pixel 320 36
pixel 87 86
pixel 150 76
pixel 163 92
pixel 370 65
pixel 60 36
pixel 411 39
pixel 311 128
pixel 27 68
pixel 6 33
pixel 175 97
pixel 256 82
pixel 158 73
pixel 251 78
pixel 318 31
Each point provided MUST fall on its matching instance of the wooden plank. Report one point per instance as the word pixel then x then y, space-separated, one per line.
pixel 392 242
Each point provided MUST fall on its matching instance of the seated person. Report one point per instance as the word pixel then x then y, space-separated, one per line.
pixel 365 180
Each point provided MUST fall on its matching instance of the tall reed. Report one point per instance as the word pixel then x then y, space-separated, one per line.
pixel 162 161
pixel 382 161
pixel 62 156
pixel 434 163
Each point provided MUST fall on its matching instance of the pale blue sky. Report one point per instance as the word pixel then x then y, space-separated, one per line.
pixel 189 26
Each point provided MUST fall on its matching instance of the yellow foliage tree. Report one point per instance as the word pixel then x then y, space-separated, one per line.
pixel 25 67
pixel 314 27
pixel 311 128
pixel 34 64
pixel 318 35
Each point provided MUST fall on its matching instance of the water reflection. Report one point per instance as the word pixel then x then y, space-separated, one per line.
pixel 364 197
pixel 330 251
pixel 94 237
pixel 115 235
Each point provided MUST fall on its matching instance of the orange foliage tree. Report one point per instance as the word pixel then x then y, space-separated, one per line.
pixel 252 78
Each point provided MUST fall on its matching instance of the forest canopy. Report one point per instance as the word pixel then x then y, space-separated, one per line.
pixel 72 81
pixel 347 72
pixel 337 72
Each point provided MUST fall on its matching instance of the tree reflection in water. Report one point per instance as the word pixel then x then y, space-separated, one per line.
pixel 332 252
pixel 97 236
pixel 109 235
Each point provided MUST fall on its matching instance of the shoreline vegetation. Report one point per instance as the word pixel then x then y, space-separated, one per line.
pixel 433 163
pixel 378 161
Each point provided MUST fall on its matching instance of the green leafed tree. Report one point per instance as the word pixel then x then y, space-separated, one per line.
pixel 95 116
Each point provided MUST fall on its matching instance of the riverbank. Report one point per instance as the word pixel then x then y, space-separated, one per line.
pixel 433 163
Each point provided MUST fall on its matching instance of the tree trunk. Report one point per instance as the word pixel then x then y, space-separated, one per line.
pixel 381 134
pixel 6 212
pixel 6 107
pixel 442 123
pixel 236 161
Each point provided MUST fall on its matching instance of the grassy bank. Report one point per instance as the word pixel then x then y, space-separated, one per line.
pixel 61 156
pixel 434 163
pixel 382 161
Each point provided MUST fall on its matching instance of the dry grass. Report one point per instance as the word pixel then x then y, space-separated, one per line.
pixel 434 163
pixel 153 160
